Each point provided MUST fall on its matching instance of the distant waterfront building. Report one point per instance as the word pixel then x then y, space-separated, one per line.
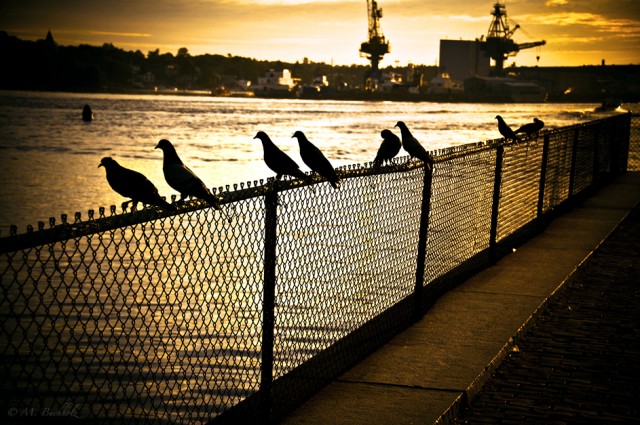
pixel 442 84
pixel 463 59
pixel 275 82
pixel 504 89
pixel 148 77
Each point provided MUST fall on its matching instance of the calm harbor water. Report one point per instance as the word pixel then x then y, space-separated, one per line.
pixel 50 156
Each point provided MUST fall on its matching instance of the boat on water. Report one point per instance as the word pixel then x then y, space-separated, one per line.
pixel 608 105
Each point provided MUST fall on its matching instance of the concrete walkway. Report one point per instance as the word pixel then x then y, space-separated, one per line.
pixel 579 362
pixel 450 353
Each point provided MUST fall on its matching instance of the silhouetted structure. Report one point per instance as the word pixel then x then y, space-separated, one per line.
pixel 377 46
pixel 499 44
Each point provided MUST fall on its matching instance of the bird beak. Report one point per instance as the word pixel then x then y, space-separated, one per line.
pixel 157 146
pixel 100 165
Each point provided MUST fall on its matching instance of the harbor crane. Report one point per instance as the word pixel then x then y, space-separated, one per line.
pixel 499 45
pixel 377 46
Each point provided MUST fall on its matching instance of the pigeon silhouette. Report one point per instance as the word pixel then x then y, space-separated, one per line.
pixel 389 147
pixel 505 130
pixel 181 178
pixel 412 146
pixel 314 159
pixel 531 128
pixel 279 161
pixel 132 184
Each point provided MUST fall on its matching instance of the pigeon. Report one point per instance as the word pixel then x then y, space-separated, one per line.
pixel 279 161
pixel 314 159
pixel 505 130
pixel 531 128
pixel 132 184
pixel 389 147
pixel 181 178
pixel 412 146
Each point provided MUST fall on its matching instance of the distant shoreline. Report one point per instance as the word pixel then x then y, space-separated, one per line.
pixel 347 96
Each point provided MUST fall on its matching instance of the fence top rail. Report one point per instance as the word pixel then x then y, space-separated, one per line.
pixel 110 219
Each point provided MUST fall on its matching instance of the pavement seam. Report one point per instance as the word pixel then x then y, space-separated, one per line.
pixel 411 387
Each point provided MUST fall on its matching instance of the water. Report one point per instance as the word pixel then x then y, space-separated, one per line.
pixel 50 156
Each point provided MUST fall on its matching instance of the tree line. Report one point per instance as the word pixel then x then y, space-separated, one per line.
pixel 44 65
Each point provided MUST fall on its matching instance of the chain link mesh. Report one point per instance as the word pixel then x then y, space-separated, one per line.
pixel 344 256
pixel 149 317
pixel 460 211
pixel 634 144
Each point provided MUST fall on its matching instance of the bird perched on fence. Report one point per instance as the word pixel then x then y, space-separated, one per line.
pixel 505 130
pixel 389 147
pixel 279 161
pixel 181 178
pixel 531 128
pixel 132 184
pixel 412 146
pixel 315 159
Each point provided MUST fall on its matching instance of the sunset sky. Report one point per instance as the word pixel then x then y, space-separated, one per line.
pixel 578 32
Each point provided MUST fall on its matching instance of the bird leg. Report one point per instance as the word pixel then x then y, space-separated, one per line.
pixel 124 205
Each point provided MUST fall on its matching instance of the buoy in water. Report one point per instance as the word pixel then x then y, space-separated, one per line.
pixel 87 114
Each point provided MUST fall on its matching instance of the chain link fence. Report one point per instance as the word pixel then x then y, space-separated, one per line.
pixel 634 143
pixel 183 317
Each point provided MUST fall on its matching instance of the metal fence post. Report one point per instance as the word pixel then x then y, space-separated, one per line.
pixel 493 232
pixel 574 157
pixel 543 175
pixel 268 302
pixel 623 147
pixel 596 155
pixel 422 237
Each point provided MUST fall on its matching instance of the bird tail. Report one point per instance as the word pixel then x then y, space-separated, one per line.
pixel 215 203
pixel 301 175
pixel 167 206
